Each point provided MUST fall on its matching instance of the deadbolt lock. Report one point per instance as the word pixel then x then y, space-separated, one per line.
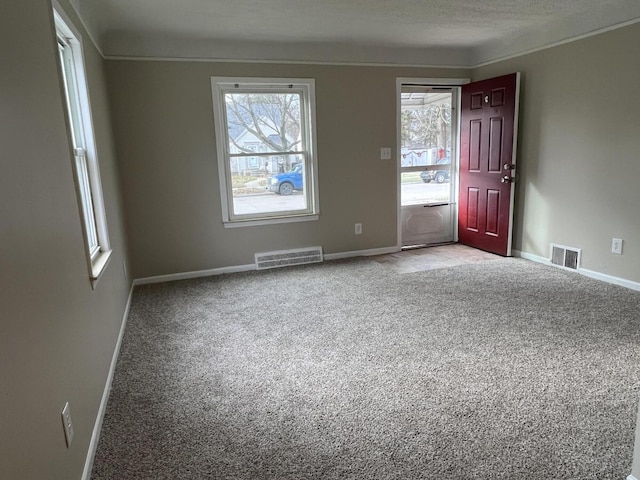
pixel 509 166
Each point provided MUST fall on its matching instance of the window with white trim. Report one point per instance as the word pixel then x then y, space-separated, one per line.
pixel 87 173
pixel 265 135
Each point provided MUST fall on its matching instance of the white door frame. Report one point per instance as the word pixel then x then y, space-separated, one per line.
pixel 450 82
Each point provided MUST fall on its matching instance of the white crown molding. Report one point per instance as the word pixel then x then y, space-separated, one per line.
pixel 73 4
pixel 427 58
pixel 167 47
pixel 283 62
pixel 562 30
pixel 136 47
pixel 558 43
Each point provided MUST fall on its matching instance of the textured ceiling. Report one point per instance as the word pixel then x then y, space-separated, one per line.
pixel 446 32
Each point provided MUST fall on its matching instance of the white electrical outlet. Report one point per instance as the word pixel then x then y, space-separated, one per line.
pixel 67 424
pixel 358 229
pixel 616 246
pixel 385 153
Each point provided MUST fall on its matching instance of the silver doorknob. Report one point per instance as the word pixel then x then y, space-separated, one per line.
pixel 506 179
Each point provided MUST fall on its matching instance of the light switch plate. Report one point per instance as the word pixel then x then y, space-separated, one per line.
pixel 616 246
pixel 385 153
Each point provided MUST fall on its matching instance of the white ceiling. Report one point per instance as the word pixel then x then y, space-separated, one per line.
pixel 414 32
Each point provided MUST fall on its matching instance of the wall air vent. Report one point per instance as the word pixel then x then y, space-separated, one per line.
pixel 285 258
pixel 566 257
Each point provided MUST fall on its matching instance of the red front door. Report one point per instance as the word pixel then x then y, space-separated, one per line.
pixel 488 124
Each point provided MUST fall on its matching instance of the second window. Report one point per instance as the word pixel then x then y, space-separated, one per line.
pixel 266 153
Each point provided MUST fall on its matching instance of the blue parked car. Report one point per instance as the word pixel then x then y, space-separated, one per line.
pixel 286 183
pixel 440 176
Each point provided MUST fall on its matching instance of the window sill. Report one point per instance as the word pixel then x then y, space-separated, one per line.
pixel 271 221
pixel 98 266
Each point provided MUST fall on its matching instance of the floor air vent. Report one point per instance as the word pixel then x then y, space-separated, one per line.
pixel 567 257
pixel 285 258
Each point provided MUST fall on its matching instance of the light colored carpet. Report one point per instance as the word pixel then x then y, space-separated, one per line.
pixel 348 370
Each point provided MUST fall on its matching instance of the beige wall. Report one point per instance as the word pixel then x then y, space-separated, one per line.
pixel 163 120
pixel 578 186
pixel 579 153
pixel 57 335
pixel 579 149
pixel 578 144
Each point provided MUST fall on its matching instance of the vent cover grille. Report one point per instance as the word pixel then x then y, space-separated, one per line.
pixel 285 258
pixel 567 257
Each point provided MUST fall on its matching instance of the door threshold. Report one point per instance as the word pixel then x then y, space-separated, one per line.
pixel 425 245
pixel 413 247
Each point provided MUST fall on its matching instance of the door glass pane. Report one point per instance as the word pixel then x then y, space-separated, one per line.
pixel 416 192
pixel 426 145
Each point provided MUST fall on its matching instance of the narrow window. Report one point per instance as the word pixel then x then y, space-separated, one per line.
pixel 265 132
pixel 87 174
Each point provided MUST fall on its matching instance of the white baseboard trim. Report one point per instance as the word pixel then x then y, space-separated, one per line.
pixel 582 271
pixel 361 253
pixel 610 279
pixel 246 268
pixel 97 427
pixel 631 477
pixel 196 274
pixel 532 257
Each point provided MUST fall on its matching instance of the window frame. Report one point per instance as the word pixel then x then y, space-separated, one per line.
pixel 305 87
pixel 86 171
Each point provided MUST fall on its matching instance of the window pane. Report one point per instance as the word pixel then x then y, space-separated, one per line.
pixel 71 94
pixel 277 184
pixel 87 204
pixel 263 122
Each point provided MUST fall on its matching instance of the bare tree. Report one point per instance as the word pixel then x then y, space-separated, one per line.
pixel 428 126
pixel 273 118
